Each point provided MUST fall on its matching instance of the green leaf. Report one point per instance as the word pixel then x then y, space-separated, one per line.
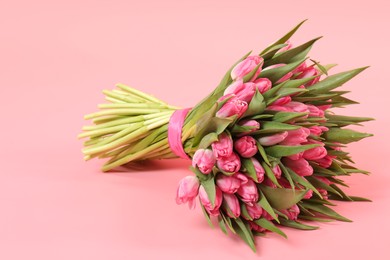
pixel 244 232
pixel 262 153
pixel 264 223
pixel 272 51
pixel 256 106
pixel 244 211
pixel 250 75
pixel 263 202
pixel 325 211
pixel 287 175
pixel 282 40
pixel 344 136
pixel 250 168
pixel 334 81
pixel 271 127
pixel 279 151
pixel 228 222
pixel 298 179
pixel 293 54
pixel 270 174
pixel 206 214
pixel 311 218
pixel 284 117
pixel 340 118
pixel 296 225
pixel 277 73
pixel 319 184
pixel 282 198
pixel 222 225
pixel 207 140
pixel 214 125
pixel 209 186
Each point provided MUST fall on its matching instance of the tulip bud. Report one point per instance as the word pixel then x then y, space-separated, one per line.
pixel 253 125
pixel 230 184
pixel 255 227
pixel 281 101
pixel 246 66
pixel 259 170
pixel 308 194
pixel 243 91
pixel 248 192
pixel 277 171
pixel 233 106
pixel 273 139
pixel 296 137
pixel 325 162
pixel 263 85
pixel 223 147
pixel 187 191
pixel 255 210
pixel 315 111
pixel 300 166
pixel 309 72
pixel 292 213
pixel 315 153
pixel 204 199
pixel 233 204
pixel 287 47
pixel 204 159
pixel 229 164
pixel 317 130
pixel 246 146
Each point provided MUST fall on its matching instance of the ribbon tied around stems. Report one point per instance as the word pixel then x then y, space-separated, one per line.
pixel 175 127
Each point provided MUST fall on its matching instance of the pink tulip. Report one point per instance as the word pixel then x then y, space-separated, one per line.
pixel 297 107
pixel 248 192
pixel 324 180
pixel 277 171
pixel 269 183
pixel 255 227
pixel 233 204
pixel 273 139
pixel 296 156
pixel 253 125
pixel 286 48
pixel 230 184
pixel 254 211
pixel 309 72
pixel 308 194
pixel 267 216
pixel 300 166
pixel 281 101
pixel 315 153
pixel 223 147
pixel 300 68
pixel 318 130
pixel 296 137
pixel 204 159
pixel 230 163
pixel 246 146
pixel 204 199
pixel 315 111
pixel 246 66
pixel 325 162
pixel 324 107
pixel 323 192
pixel 233 106
pixel 285 77
pixel 263 85
pixel 292 213
pixel 187 191
pixel 259 170
pixel 243 91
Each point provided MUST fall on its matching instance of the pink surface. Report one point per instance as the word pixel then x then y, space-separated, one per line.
pixel 57 56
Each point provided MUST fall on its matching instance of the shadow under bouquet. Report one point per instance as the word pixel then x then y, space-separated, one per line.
pixel 266 149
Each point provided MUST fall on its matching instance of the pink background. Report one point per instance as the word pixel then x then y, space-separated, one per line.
pixel 57 56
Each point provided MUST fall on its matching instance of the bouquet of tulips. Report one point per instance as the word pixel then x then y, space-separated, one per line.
pixel 266 149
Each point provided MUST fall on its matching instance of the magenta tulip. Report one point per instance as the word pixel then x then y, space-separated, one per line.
pixel 292 213
pixel 263 85
pixel 252 126
pixel 259 170
pixel 230 184
pixel 296 137
pixel 243 91
pixel 255 210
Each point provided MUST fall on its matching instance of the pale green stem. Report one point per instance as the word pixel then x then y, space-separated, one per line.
pixel 124 139
pixel 124 112
pixel 106 119
pixel 104 131
pixel 139 93
pixel 116 101
pixel 133 156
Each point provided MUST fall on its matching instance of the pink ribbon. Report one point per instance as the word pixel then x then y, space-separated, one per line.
pixel 175 131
